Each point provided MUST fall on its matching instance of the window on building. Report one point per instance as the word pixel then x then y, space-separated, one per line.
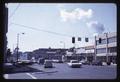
pixel 112 49
pixel 112 39
pixel 101 50
pixel 103 41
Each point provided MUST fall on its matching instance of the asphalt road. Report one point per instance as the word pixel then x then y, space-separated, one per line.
pixel 63 71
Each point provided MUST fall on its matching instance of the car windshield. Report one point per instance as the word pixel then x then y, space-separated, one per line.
pixel 74 61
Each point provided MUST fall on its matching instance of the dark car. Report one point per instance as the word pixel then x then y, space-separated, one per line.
pixel 60 61
pixel 48 64
pixel 97 63
pixel 108 63
pixel 86 63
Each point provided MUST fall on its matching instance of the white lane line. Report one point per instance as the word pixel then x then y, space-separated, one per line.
pixel 33 77
pixel 5 76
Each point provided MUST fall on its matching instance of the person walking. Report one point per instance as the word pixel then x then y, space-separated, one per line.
pixel 8 55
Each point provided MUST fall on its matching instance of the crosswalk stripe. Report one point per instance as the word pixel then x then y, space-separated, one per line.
pixel 33 77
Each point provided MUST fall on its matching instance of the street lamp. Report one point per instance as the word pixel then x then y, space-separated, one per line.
pixel 18 44
pixel 63 44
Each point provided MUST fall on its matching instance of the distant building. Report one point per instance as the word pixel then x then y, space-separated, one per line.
pixel 49 53
pixel 90 53
pixel 86 52
pixel 23 56
pixel 106 47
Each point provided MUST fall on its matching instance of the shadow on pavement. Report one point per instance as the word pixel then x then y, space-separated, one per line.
pixel 19 69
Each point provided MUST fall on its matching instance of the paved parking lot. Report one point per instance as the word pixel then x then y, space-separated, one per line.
pixel 63 71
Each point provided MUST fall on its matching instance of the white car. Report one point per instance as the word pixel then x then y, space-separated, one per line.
pixel 24 62
pixel 55 61
pixel 74 63
pixel 48 64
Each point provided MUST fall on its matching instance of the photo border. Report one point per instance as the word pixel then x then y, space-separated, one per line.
pixel 2 33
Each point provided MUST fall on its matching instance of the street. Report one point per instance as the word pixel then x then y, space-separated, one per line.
pixel 63 71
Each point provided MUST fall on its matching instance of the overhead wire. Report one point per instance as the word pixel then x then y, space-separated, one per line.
pixel 14 11
pixel 51 32
pixel 33 28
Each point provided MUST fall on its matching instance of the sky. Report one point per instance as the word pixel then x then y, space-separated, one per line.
pixel 54 24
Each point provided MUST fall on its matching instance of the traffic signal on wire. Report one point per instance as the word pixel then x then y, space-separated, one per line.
pixel 86 39
pixel 73 39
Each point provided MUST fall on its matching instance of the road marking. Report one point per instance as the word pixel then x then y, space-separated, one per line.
pixel 5 76
pixel 33 77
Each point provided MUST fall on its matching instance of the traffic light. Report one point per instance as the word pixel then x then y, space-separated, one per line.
pixel 79 38
pixel 86 39
pixel 99 40
pixel 73 39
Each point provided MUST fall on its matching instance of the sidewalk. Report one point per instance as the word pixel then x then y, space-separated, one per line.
pixel 10 68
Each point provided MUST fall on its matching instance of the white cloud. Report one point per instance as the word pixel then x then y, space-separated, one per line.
pixel 96 27
pixel 76 14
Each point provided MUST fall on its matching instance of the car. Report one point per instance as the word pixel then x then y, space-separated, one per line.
pixel 84 62
pixel 104 63
pixel 57 61
pixel 60 61
pixel 108 63
pixel 75 63
pixel 48 64
pixel 24 62
pixel 97 63
pixel 33 60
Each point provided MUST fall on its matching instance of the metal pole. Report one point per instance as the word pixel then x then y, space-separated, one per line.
pixel 75 51
pixel 17 45
pixel 106 47
pixel 95 50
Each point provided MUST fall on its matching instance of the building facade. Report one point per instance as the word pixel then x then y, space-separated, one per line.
pixel 49 53
pixel 87 53
pixel 106 47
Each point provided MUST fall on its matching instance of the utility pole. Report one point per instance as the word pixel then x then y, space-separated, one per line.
pixel 74 49
pixel 95 50
pixel 107 48
pixel 18 45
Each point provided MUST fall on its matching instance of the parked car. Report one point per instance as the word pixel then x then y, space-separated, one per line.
pixel 57 61
pixel 108 63
pixel 74 63
pixel 98 63
pixel 48 64
pixel 24 62
pixel 84 62
pixel 60 61
pixel 33 60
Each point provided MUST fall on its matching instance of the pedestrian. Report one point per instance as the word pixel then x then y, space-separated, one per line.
pixel 8 55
